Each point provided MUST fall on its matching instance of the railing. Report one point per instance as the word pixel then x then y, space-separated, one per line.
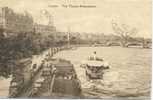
pixel 25 88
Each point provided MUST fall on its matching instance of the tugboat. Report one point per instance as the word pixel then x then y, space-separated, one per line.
pixel 94 68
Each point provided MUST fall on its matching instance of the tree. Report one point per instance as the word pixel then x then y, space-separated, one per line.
pixel 124 32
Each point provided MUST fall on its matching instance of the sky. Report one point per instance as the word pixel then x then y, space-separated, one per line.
pixel 135 13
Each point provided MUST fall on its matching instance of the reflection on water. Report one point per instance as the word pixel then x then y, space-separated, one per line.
pixel 131 69
pixel 130 72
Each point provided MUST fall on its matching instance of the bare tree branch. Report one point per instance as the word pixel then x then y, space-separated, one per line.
pixel 124 31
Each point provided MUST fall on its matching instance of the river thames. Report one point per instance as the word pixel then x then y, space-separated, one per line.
pixel 130 73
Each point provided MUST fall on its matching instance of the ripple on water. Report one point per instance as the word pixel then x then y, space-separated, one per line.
pixel 131 70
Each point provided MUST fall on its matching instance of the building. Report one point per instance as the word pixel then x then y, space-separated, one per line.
pixel 11 22
pixel 44 29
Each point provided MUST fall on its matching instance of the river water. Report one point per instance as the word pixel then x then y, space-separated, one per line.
pixel 130 73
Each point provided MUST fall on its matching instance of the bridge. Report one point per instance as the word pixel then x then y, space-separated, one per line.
pixel 131 44
pixel 136 44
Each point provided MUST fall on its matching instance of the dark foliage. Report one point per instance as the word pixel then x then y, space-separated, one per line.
pixel 23 45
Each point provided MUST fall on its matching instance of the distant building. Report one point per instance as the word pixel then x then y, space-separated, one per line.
pixel 11 22
pixel 61 36
pixel 44 29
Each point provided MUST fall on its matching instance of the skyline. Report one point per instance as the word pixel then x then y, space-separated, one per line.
pixel 136 13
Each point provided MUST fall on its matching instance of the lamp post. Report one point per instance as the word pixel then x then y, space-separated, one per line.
pixel 68 37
